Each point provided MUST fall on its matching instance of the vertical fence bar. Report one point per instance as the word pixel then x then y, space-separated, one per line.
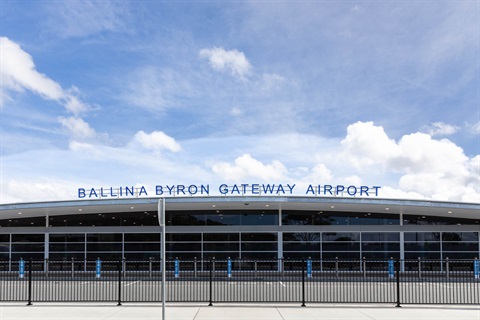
pixel 150 267
pixel 419 267
pixel 303 283
pixel 336 267
pixel 397 267
pixel 195 268
pixel 29 303
pixel 73 268
pixel 364 267
pixel 447 268
pixel 210 264
pixel 119 266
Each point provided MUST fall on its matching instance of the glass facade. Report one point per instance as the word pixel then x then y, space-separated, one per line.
pixel 239 234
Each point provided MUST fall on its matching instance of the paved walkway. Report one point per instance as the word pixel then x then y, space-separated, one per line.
pixel 238 311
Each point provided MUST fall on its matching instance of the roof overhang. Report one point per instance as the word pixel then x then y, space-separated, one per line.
pixel 388 206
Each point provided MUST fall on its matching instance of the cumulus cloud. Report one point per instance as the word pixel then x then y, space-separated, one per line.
pixel 18 73
pixel 155 141
pixel 438 169
pixel 248 167
pixel 232 61
pixel 441 129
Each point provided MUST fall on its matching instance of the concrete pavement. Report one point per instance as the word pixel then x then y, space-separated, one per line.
pixel 236 312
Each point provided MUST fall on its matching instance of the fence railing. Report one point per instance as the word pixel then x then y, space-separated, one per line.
pixel 235 281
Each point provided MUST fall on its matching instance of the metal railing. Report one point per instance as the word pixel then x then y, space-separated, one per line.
pixel 235 281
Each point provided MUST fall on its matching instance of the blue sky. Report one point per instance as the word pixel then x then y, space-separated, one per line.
pixel 113 93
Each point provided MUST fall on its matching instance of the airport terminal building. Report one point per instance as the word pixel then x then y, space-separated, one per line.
pixel 240 227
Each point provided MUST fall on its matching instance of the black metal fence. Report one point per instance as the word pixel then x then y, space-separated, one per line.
pixel 213 281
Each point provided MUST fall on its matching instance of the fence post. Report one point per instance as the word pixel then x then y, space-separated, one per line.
pixel 195 268
pixel 364 267
pixel 29 303
pixel 336 267
pixel 303 283
pixel 150 267
pixel 73 267
pixel 447 267
pixel 282 267
pixel 120 264
pixel 211 286
pixel 419 267
pixel 397 267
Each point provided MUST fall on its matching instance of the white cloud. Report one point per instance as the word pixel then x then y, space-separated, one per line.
pixel 367 144
pixel 18 73
pixel 155 141
pixel 441 129
pixel 248 167
pixel 437 169
pixel 233 61
pixel 78 128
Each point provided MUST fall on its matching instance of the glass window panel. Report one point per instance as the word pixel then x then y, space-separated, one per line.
pixel 141 237
pixel 341 246
pixel 104 237
pixel 460 236
pixel 432 220
pixel 67 247
pixel 96 246
pixel 28 247
pixel 460 246
pixel 28 237
pixel 422 236
pixel 259 218
pixel 184 246
pixel 252 246
pixel 182 237
pixel 141 246
pixel 104 256
pixel 4 247
pixel 219 218
pixel 28 255
pixel 259 255
pixel 381 236
pixel 220 246
pixel 385 246
pixel 67 237
pixel 142 256
pixel 4 238
pixel 340 236
pixel 302 236
pixel 460 255
pixel 259 237
pixel 296 246
pixel 182 218
pixel 222 237
pixel 422 254
pixel 422 246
